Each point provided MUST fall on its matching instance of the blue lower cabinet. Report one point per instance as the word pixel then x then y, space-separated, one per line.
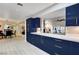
pixel 48 44
pixel 30 38
pixel 74 48
pixel 58 50
pixel 54 46
pixel 64 47
pixel 37 40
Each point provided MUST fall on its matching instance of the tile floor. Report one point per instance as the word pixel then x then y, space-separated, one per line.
pixel 17 46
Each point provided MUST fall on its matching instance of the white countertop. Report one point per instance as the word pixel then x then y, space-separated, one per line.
pixel 69 37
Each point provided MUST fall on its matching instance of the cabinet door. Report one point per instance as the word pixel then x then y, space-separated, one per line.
pixel 77 11
pixel 78 21
pixel 74 48
pixel 29 24
pixel 30 38
pixel 76 6
pixel 48 44
pixel 36 40
pixel 35 23
pixel 70 21
pixel 32 24
pixel 71 15
pixel 70 11
pixel 63 47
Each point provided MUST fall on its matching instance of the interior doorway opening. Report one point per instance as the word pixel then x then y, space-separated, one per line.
pixel 10 29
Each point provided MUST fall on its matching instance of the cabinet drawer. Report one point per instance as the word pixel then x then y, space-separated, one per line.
pixel 59 40
pixel 58 50
pixel 48 41
pixel 48 44
pixel 58 46
pixel 36 36
pixel 62 42
pixel 67 47
pixel 62 50
pixel 67 43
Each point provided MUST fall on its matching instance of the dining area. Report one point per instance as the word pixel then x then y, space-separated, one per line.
pixel 7 32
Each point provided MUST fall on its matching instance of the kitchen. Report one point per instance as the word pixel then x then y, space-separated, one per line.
pixel 57 33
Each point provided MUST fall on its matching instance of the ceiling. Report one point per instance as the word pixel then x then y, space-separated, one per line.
pixel 57 9
pixel 56 14
pixel 14 11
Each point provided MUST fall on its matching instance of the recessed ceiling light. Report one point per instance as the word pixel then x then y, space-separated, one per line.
pixel 20 4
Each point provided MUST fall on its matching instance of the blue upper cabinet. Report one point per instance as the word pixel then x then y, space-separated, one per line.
pixel 70 21
pixel 72 15
pixel 32 24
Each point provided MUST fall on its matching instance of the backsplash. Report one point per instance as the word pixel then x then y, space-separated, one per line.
pixel 72 30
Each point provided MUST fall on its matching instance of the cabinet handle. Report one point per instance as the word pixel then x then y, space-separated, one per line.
pixel 76 20
pixel 56 53
pixel 59 40
pixel 32 38
pixel 42 41
pixel 58 46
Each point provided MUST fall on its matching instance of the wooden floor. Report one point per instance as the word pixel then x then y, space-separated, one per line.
pixel 18 46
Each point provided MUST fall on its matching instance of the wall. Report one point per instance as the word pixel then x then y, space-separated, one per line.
pixel 72 30
pixel 57 15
